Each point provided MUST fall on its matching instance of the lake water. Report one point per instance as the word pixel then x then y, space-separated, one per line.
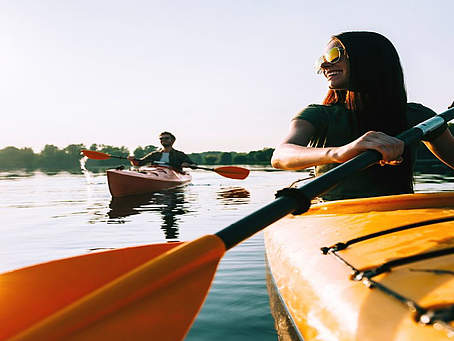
pixel 51 216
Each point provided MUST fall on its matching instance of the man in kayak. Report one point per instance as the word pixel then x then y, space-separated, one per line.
pixel 366 105
pixel 167 155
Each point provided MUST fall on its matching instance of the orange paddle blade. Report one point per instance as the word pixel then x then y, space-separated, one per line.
pixel 233 172
pixel 156 300
pixel 59 283
pixel 91 154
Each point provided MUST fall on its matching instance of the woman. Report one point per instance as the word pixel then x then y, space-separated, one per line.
pixel 365 107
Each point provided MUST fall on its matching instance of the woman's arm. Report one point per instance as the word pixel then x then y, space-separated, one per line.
pixel 443 148
pixel 293 154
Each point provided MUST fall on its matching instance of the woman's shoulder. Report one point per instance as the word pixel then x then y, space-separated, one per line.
pixel 318 110
pixel 411 106
pixel 321 116
pixel 417 113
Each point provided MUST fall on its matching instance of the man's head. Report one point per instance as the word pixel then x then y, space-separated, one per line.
pixel 167 139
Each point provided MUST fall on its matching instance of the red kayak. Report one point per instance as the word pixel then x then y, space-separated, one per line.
pixel 145 180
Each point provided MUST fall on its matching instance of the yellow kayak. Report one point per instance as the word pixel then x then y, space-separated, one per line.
pixel 386 271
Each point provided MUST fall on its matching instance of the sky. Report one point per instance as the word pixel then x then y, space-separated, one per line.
pixel 225 75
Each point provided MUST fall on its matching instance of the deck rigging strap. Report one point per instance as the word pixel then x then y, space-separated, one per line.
pixel 343 245
pixel 439 317
pixel 386 267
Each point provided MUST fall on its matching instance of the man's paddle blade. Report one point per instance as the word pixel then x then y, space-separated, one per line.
pixel 233 172
pixel 158 300
pixel 91 154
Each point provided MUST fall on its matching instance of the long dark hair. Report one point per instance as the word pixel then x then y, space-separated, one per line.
pixel 376 91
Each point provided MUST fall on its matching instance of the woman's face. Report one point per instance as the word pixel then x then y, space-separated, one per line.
pixel 337 73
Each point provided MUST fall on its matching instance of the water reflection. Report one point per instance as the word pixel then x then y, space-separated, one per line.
pixel 16 175
pixel 170 204
pixel 233 196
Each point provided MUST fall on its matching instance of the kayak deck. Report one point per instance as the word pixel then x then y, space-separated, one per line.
pixel 145 180
pixel 388 273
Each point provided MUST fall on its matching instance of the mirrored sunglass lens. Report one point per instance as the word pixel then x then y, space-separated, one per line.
pixel 332 55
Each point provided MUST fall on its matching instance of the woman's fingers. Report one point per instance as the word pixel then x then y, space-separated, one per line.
pixel 390 147
pixel 392 162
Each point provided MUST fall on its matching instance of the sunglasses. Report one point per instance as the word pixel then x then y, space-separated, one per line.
pixel 165 138
pixel 331 56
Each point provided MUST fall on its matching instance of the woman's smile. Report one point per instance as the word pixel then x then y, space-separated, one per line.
pixel 337 73
pixel 329 74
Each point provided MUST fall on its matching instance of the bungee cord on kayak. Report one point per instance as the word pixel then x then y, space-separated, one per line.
pixel 343 245
pixel 436 316
pixel 390 260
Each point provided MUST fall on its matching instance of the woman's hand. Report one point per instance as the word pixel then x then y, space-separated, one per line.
pixel 389 147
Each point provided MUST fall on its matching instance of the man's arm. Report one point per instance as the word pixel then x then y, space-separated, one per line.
pixel 187 162
pixel 150 157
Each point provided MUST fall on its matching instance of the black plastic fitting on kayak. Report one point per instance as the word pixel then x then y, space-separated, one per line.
pixel 303 201
pixel 336 247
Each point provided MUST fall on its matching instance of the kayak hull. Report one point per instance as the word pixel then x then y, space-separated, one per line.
pixel 321 300
pixel 146 180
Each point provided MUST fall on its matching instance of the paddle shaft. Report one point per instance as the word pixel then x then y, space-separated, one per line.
pixel 205 168
pixel 258 220
pixel 118 157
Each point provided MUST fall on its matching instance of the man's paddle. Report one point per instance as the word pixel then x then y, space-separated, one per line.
pixel 231 172
pixel 159 299
pixel 91 154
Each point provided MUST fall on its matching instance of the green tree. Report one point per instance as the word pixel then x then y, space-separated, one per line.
pixel 15 158
pixel 210 159
pixel 51 157
pixel 73 156
pixel 240 159
pixel 261 156
pixel 140 152
pixel 197 158
pixel 225 158
pixel 112 162
pixel 27 158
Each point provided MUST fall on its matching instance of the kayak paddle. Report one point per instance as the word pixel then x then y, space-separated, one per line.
pixel 158 299
pixel 231 172
pixel 91 154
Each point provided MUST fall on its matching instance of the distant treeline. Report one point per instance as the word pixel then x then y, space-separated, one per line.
pixel 54 158
pixel 68 158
